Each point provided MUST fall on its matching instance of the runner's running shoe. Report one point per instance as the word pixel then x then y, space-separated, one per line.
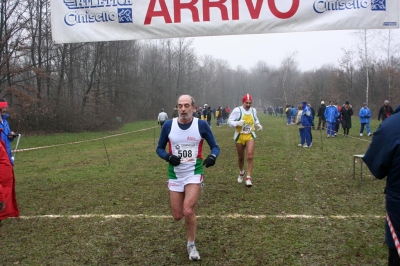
pixel 248 182
pixel 193 253
pixel 240 178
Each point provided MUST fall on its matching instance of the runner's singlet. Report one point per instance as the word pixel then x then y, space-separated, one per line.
pixel 188 145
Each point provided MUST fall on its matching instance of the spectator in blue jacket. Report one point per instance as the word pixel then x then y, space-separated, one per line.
pixel 294 113
pixel 331 114
pixel 383 160
pixel 307 122
pixel 365 115
pixel 6 135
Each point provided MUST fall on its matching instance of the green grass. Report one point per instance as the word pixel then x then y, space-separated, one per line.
pixel 236 225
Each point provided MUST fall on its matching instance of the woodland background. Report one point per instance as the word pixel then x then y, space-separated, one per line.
pixel 95 86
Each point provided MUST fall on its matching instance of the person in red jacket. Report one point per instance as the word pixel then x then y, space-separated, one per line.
pixel 8 198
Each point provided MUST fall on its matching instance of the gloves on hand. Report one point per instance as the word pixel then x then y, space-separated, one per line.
pixel 259 127
pixel 240 123
pixel 174 160
pixel 210 160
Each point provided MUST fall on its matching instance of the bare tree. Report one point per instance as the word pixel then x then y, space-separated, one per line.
pixel 390 48
pixel 287 71
pixel 12 40
pixel 344 76
pixel 366 54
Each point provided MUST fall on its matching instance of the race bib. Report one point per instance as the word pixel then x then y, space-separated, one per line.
pixel 187 152
pixel 246 129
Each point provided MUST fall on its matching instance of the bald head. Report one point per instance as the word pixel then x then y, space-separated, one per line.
pixel 186 97
pixel 185 108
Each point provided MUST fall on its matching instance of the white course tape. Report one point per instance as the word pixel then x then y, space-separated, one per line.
pixel 82 141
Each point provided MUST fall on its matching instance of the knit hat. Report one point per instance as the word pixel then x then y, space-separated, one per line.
pixel 386 101
pixel 247 97
pixel 322 102
pixel 364 104
pixel 3 104
pixel 346 102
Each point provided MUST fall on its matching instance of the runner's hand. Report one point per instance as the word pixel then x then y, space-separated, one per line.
pixel 240 123
pixel 174 160
pixel 210 160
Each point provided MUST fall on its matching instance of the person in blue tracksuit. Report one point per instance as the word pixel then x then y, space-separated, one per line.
pixel 307 122
pixel 383 160
pixel 365 115
pixel 331 114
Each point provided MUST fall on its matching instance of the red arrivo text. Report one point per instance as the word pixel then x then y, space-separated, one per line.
pixel 233 14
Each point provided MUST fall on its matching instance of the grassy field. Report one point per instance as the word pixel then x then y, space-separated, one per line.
pixel 105 202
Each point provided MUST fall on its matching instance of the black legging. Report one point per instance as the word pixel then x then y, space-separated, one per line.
pixel 394 259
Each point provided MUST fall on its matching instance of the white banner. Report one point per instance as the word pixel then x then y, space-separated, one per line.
pixel 112 20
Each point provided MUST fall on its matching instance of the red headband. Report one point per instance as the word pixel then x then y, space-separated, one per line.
pixel 247 97
pixel 3 105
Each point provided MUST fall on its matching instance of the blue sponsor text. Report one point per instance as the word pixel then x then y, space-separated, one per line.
pixel 72 18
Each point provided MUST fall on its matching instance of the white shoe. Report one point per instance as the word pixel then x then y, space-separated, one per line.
pixel 240 178
pixel 369 134
pixel 193 253
pixel 248 182
pixel 328 136
pixel 361 134
pixel 299 144
pixel 310 144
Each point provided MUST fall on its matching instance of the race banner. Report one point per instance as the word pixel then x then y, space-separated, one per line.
pixel 112 20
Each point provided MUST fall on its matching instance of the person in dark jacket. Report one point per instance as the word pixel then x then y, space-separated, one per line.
pixel 383 160
pixel 346 113
pixel 175 112
pixel 208 115
pixel 313 115
pixel 196 113
pixel 224 115
pixel 321 116
pixel 385 111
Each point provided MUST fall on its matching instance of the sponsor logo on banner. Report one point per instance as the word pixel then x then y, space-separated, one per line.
pixel 85 11
pixel 322 6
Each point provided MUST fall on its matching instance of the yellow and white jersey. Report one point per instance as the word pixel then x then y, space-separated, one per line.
pixel 250 118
